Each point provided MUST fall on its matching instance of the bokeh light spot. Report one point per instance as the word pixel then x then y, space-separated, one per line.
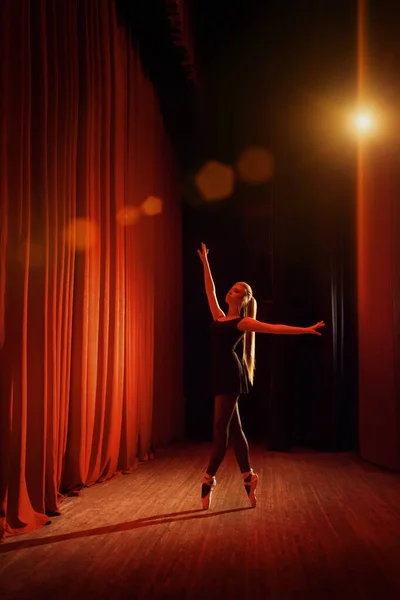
pixel 255 165
pixel 215 181
pixel 81 234
pixel 128 215
pixel 152 206
pixel 37 254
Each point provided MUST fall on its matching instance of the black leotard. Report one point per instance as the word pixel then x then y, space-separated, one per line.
pixel 229 372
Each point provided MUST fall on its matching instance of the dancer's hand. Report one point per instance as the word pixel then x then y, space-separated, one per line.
pixel 203 253
pixel 313 328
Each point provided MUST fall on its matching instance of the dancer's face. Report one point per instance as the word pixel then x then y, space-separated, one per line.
pixel 235 295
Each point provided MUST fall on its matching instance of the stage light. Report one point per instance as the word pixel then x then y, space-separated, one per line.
pixel 364 122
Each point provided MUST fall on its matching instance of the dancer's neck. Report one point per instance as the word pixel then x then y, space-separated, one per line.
pixel 232 313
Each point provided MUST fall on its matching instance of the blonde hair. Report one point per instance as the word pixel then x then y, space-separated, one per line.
pixel 249 309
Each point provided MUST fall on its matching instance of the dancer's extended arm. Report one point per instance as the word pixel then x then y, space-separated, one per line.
pixel 209 284
pixel 249 324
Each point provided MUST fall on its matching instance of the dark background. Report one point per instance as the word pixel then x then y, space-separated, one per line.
pixel 277 74
pixel 282 75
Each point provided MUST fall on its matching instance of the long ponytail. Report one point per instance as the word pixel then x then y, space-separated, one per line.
pixel 249 309
pixel 249 340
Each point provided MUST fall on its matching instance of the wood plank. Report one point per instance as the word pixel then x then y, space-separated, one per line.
pixel 326 526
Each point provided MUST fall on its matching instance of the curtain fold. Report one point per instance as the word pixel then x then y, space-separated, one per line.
pixel 82 263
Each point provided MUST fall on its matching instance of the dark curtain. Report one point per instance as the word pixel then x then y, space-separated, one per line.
pixel 160 31
pixel 312 391
pixel 279 79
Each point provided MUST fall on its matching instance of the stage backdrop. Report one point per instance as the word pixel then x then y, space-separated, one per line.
pixel 90 271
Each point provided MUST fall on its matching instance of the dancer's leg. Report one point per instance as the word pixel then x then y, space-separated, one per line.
pixel 250 479
pixel 239 441
pixel 224 408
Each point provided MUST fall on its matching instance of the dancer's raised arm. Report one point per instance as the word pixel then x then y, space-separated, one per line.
pixel 209 284
pixel 249 324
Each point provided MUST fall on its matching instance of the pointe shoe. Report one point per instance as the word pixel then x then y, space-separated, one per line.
pixel 250 483
pixel 207 488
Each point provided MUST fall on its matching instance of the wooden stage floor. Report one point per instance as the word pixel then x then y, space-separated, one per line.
pixel 327 526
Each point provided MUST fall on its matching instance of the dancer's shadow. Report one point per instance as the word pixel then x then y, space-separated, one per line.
pixel 144 522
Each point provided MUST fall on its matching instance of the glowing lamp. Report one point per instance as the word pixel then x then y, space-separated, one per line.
pixel 363 122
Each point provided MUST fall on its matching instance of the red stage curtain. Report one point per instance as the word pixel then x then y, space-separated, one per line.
pixel 90 285
pixel 378 222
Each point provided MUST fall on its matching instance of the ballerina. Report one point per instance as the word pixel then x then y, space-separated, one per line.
pixel 233 375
